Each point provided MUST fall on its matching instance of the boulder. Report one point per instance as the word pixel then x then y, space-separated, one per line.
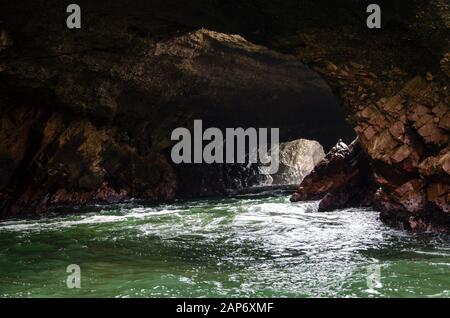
pixel 297 159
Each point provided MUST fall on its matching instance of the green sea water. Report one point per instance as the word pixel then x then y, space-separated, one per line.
pixel 228 247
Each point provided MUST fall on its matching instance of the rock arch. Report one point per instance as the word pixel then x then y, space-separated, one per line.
pixel 393 83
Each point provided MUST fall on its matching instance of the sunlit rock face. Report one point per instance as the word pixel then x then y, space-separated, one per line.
pixel 297 159
pixel 399 105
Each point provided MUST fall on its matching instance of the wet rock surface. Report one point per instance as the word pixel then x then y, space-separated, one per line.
pixel 50 161
pixel 398 103
pixel 340 180
pixel 393 85
pixel 403 129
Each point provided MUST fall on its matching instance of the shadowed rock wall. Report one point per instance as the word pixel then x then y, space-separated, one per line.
pixel 392 83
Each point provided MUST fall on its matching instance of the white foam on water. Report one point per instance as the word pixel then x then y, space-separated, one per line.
pixel 57 223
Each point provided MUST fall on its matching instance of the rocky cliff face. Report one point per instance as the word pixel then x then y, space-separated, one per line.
pixel 393 83
pixel 400 111
pixel 85 122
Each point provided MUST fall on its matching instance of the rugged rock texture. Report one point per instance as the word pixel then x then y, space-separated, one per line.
pixel 83 122
pixel 48 160
pixel 297 159
pixel 393 82
pixel 403 127
pixel 416 143
pixel 396 90
pixel 342 179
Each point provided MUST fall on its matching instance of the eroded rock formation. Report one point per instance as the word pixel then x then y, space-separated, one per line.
pixel 392 82
pixel 401 114
pixel 94 125
pixel 344 178
pixel 50 160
